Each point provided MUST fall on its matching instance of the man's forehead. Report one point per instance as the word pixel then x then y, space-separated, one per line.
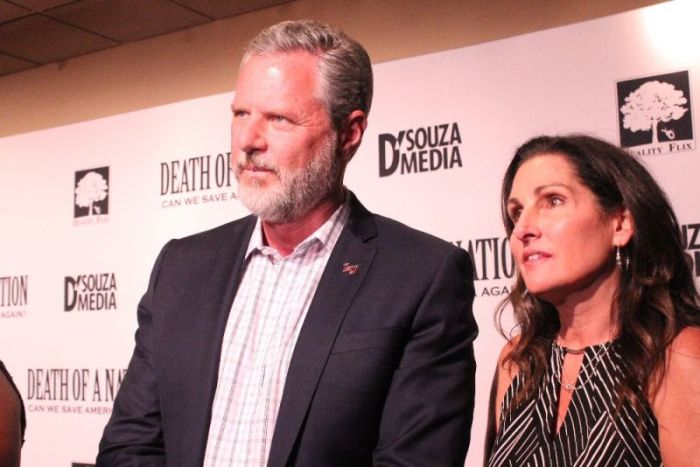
pixel 298 55
pixel 293 73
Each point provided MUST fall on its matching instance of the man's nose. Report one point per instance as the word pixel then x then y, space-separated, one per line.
pixel 249 134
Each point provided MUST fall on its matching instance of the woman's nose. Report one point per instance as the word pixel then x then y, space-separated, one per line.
pixel 526 226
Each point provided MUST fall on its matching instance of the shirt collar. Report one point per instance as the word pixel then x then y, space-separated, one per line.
pixel 326 235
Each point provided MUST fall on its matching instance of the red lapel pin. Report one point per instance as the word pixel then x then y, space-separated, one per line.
pixel 351 268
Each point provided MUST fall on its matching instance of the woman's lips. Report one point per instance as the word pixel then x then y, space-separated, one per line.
pixel 535 256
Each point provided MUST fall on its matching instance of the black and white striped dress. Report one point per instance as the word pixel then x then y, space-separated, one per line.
pixel 593 433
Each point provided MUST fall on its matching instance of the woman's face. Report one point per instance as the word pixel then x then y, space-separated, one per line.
pixel 562 241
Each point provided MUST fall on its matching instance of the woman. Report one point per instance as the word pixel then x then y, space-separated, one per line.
pixel 12 420
pixel 605 369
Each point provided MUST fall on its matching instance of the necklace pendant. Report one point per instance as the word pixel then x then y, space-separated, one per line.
pixel 569 386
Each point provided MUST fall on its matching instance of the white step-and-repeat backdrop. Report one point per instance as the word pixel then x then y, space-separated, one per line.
pixel 85 208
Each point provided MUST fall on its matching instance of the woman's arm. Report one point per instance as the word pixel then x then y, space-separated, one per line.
pixel 676 405
pixel 502 379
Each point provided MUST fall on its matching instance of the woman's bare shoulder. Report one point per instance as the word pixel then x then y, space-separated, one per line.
pixel 676 404
pixel 686 344
pixel 506 365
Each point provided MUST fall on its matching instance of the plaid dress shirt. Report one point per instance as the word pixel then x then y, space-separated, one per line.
pixel 261 332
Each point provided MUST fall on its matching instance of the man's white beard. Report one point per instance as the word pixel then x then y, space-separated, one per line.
pixel 297 192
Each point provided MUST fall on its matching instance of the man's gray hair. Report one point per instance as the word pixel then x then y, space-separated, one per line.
pixel 344 65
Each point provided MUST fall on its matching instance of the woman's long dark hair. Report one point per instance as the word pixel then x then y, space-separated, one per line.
pixel 656 298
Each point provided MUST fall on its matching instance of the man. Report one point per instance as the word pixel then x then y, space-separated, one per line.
pixel 315 333
pixel 12 420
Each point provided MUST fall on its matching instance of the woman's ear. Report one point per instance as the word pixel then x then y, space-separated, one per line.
pixel 623 227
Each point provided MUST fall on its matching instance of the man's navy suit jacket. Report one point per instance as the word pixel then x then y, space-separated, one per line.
pixel 382 372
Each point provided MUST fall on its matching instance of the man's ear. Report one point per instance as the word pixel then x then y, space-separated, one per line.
pixel 350 134
pixel 623 226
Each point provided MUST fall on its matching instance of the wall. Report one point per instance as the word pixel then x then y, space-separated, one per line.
pixel 202 61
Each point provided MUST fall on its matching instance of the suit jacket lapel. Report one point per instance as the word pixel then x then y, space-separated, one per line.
pixel 346 270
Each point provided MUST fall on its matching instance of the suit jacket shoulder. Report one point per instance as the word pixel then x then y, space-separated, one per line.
pixel 229 233
pixel 399 234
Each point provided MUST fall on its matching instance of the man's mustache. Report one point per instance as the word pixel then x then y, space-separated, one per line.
pixel 253 162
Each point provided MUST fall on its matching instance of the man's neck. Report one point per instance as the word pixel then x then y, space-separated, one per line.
pixel 285 236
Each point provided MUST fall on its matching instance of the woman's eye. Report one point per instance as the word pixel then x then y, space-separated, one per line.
pixel 553 201
pixel 514 214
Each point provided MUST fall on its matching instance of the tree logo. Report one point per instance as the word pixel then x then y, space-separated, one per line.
pixel 655 112
pixel 91 192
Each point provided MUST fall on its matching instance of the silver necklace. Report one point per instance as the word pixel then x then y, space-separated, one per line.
pixel 571 387
pixel 572 351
